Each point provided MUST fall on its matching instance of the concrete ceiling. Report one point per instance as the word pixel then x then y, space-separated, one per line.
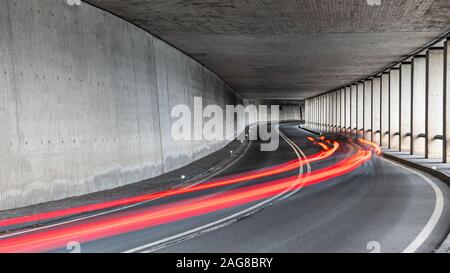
pixel 286 48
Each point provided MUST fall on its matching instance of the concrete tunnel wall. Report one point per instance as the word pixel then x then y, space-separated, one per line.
pixel 85 102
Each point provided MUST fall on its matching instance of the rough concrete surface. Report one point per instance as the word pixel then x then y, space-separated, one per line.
pixel 290 48
pixel 85 102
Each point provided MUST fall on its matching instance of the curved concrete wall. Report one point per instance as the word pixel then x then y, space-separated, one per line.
pixel 85 102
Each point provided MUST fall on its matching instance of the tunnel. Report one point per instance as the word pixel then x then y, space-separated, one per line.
pixel 224 126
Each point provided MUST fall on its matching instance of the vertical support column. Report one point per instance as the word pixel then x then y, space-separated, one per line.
pixel 348 111
pixel 342 111
pixel 307 109
pixel 306 112
pixel 324 114
pixel 331 109
pixel 317 114
pixel 360 110
pixel 309 114
pixel 314 100
pixel 368 110
pixel 384 109
pixel 328 109
pixel 435 104
pixel 311 103
pixel 333 113
pixel 394 109
pixel 376 110
pixel 354 108
pixel 405 107
pixel 319 105
pixel 447 100
pixel 313 107
pixel 338 111
pixel 418 124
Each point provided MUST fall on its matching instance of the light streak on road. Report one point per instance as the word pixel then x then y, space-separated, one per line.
pixel 143 218
pixel 247 176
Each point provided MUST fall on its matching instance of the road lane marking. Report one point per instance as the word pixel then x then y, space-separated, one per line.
pixel 192 233
pixel 120 208
pixel 435 216
pixel 308 166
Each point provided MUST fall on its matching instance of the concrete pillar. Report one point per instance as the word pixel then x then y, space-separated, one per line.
pixel 342 110
pixel 313 117
pixel 418 124
pixel 324 111
pixel 330 112
pixel 447 100
pixel 327 112
pixel 435 104
pixel 384 121
pixel 307 114
pixel 368 110
pixel 330 109
pixel 334 94
pixel 313 108
pixel 394 109
pixel 317 99
pixel 360 110
pixel 314 112
pixel 323 119
pixel 348 110
pixel 319 113
pixel 316 106
pixel 376 109
pixel 333 111
pixel 405 107
pixel 354 107
pixel 338 111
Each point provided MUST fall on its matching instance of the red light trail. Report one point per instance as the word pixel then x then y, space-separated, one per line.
pixel 143 218
pixel 288 166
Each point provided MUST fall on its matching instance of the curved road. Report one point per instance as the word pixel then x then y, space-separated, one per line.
pixel 311 195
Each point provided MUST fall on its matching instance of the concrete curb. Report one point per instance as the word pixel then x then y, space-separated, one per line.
pixel 445 245
pixel 436 173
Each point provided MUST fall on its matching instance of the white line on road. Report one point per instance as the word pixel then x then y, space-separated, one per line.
pixel 435 216
pixel 120 208
pixel 154 246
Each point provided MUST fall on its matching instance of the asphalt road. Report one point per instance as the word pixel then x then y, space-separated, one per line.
pixel 355 202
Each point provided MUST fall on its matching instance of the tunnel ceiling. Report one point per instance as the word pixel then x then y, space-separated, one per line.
pixel 289 49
